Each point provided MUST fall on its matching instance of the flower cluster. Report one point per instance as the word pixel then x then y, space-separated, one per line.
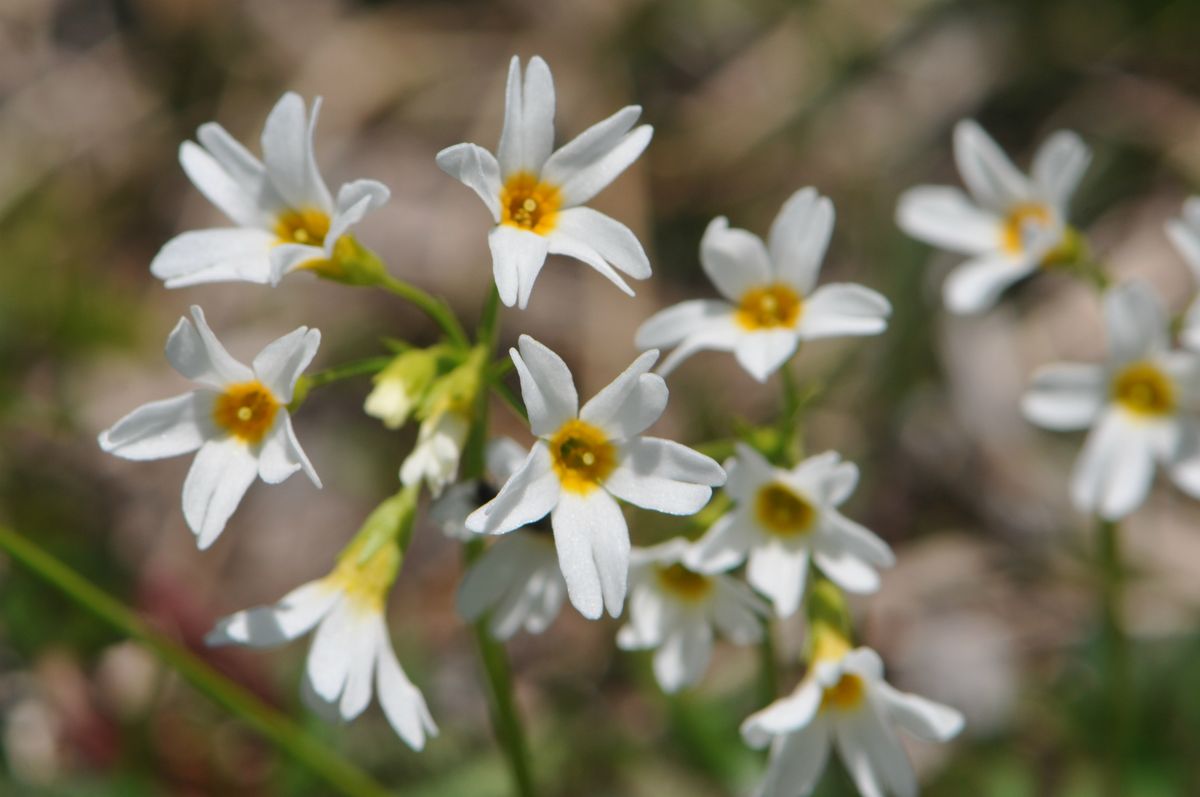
pixel 547 521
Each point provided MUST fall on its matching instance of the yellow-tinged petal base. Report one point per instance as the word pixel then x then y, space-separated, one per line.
pixel 782 512
pixel 582 456
pixel 769 307
pixel 529 204
pixel 1143 389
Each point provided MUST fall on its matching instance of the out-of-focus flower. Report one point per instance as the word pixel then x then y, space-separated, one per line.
pixel 771 299
pixel 1139 405
pixel 1185 234
pixel 351 654
pixel 450 511
pixel 536 196
pixel 400 387
pixel 845 702
pixel 286 218
pixel 784 518
pixel 586 458
pixel 1009 225
pixel 439 448
pixel 238 419
pixel 674 609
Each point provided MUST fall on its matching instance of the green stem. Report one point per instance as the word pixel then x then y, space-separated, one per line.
pixel 1118 683
pixel 768 677
pixel 433 307
pixel 339 773
pixel 371 365
pixel 510 398
pixel 789 439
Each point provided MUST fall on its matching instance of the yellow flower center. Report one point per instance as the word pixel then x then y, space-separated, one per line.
pixel 683 583
pixel 366 584
pixel 246 410
pixel 1144 389
pixel 582 456
pixel 782 512
pixel 1018 221
pixel 847 694
pixel 529 204
pixel 769 307
pixel 307 227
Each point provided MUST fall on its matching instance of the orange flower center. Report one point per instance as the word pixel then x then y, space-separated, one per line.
pixel 845 695
pixel 529 204
pixel 307 227
pixel 683 583
pixel 582 456
pixel 782 512
pixel 246 411
pixel 1017 223
pixel 769 307
pixel 1144 389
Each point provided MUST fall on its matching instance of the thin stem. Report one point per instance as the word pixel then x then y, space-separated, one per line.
pixel 768 676
pixel 789 442
pixel 433 307
pixel 510 398
pixel 371 365
pixel 1118 683
pixel 339 773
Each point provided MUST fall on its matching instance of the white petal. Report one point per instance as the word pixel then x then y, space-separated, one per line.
pixel 219 187
pixel 735 260
pixel 194 351
pixel 722 334
pixel 585 165
pixel 1059 166
pixel 1136 321
pixel 281 361
pixel 354 201
pixel 846 570
pixel 629 403
pixel 839 482
pixel 1186 237
pixel 230 254
pixel 944 217
pixel 504 457
pixel 611 239
pixel 664 476
pixel 528 133
pixel 593 551
pixel 843 309
pixel 500 567
pixel 280 455
pixel 762 352
pixel 286 258
pixel 220 475
pixel 874 757
pixel 787 715
pixel 369 634
pixel 267 626
pixel 683 656
pixel 799 236
pixel 923 718
pixel 780 574
pixel 1116 467
pixel 477 169
pixel 747 472
pixel 1065 396
pixel 287 144
pixel 856 539
pixel 724 546
pixel 546 386
pixel 989 174
pixel 670 326
pixel 165 428
pixel 403 703
pixel 975 285
pixel 737 612
pixel 517 258
pixel 328 662
pixel 559 242
pixel 797 762
pixel 529 495
pixel 237 161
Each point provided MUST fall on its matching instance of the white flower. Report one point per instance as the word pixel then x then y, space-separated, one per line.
pixel 502 458
pixel 1009 226
pixel 674 610
pixel 284 215
pixel 439 448
pixel 350 649
pixel 238 419
pixel 536 196
pixel 785 517
pixel 1185 234
pixel 771 299
pixel 586 458
pixel 1140 406
pixel 844 701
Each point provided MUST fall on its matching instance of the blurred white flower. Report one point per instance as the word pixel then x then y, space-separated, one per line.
pixel 782 519
pixel 586 458
pixel 1140 406
pixel 1185 234
pixel 439 448
pixel 844 701
pixel 673 610
pixel 536 196
pixel 284 215
pixel 350 650
pixel 451 509
pixel 771 299
pixel 238 419
pixel 1009 225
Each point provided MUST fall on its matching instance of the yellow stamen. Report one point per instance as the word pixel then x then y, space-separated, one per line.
pixel 246 410
pixel 1143 388
pixel 769 307
pixel 529 204
pixel 582 456
pixel 782 512
pixel 683 583
pixel 847 694
pixel 308 226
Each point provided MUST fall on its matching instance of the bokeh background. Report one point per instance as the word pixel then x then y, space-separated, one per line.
pixel 990 606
